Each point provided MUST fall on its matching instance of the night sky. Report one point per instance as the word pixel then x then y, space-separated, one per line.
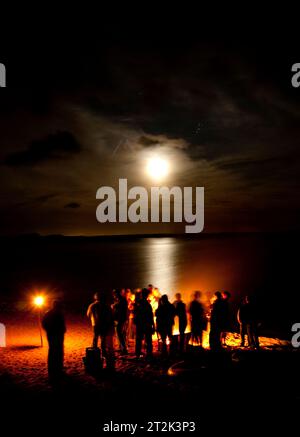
pixel 84 110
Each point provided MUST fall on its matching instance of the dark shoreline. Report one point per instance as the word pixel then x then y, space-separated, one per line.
pixel 124 237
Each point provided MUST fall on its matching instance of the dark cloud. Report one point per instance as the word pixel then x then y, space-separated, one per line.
pixel 146 141
pixel 60 145
pixel 44 198
pixel 72 205
pixel 224 113
pixel 39 200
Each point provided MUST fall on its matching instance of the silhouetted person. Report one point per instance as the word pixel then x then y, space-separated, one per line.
pixel 165 314
pixel 101 315
pixel 53 323
pixel 144 322
pixel 226 323
pixel 121 317
pixel 241 318
pixel 197 318
pixel 130 332
pixel 150 288
pixel 248 320
pixel 216 322
pixel 180 312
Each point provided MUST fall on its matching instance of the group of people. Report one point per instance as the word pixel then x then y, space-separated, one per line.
pixel 114 314
pixel 117 314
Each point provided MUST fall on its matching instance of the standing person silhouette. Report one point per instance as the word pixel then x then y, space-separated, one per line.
pixel 197 318
pixel 130 332
pixel 242 320
pixel 216 322
pixel 180 312
pixel 53 323
pixel 144 321
pixel 248 320
pixel 165 314
pixel 226 325
pixel 121 316
pixel 101 316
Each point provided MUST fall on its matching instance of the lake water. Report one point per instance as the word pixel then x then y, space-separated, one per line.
pixel 258 264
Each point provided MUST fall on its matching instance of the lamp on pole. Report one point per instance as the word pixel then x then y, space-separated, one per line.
pixel 39 302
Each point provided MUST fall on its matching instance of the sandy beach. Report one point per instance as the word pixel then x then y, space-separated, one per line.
pixel 192 385
pixel 24 361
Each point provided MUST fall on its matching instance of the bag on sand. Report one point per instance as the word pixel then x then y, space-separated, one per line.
pixel 93 360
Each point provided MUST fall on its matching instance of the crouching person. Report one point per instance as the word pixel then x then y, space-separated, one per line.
pixel 101 316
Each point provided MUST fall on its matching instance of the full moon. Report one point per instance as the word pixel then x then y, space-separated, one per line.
pixel 157 168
